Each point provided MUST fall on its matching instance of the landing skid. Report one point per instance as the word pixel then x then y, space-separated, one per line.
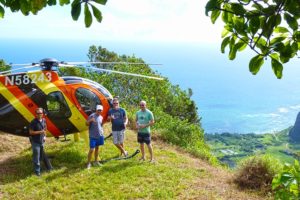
pixel 121 158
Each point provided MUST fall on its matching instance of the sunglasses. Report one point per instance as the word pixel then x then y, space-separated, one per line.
pixel 39 113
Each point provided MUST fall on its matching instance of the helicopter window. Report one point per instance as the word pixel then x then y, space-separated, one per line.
pixel 57 106
pixel 87 99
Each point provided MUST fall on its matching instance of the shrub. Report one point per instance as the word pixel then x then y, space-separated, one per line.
pixel 286 184
pixel 257 172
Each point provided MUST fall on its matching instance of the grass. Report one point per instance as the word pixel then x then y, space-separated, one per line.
pixel 175 175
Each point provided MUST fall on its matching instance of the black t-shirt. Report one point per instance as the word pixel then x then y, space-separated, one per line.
pixel 37 125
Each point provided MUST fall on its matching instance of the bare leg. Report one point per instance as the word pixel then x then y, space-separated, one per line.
pixel 90 155
pixel 150 151
pixel 142 151
pixel 96 153
pixel 120 148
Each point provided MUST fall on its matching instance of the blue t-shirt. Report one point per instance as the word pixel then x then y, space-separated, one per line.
pixel 117 118
pixel 95 128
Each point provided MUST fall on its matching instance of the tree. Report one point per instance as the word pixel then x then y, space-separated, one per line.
pixel 4 66
pixel 268 27
pixel 34 6
pixel 162 94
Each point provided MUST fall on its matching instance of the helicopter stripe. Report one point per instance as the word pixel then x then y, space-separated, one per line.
pixel 17 103
pixel 26 106
pixel 11 120
pixel 76 118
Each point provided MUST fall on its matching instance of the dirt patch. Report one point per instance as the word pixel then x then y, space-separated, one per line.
pixel 11 145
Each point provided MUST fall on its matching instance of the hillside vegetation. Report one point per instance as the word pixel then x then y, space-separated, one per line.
pixel 175 175
pixel 230 148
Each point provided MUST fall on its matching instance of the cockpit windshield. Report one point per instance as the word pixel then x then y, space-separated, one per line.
pixel 99 87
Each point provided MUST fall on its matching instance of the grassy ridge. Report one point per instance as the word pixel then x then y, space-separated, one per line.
pixel 175 175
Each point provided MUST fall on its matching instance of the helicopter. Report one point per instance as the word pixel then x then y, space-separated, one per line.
pixel 67 101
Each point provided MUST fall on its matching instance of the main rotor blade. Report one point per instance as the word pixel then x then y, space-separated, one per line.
pixel 125 73
pixel 114 63
pixel 12 70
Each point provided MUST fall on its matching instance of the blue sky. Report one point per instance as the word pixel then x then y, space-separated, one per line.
pixel 146 20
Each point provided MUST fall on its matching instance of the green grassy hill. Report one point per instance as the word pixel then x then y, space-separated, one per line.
pixel 175 175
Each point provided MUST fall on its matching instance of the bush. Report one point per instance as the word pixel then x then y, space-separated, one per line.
pixel 286 184
pixel 257 172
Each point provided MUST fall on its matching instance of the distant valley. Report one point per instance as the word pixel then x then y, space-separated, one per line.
pixel 230 148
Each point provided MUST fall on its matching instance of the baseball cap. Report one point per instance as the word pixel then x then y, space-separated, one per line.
pixel 99 107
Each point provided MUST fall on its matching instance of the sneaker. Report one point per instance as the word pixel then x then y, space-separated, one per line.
pixel 125 154
pixel 152 161
pixel 97 164
pixel 142 159
pixel 89 166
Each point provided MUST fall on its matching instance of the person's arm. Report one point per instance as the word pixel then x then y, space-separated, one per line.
pixel 125 118
pixel 32 132
pixel 136 122
pixel 90 120
pixel 109 116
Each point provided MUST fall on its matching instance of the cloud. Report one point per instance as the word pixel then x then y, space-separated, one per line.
pixel 283 110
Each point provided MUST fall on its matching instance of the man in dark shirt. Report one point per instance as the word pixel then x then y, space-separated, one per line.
pixel 118 119
pixel 37 132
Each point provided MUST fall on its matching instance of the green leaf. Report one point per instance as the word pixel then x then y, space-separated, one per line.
pixel 214 15
pixel 76 9
pixel 87 16
pixel 242 44
pixel 232 49
pixel 103 2
pixel 277 68
pixel 1 12
pixel 225 42
pixel 274 56
pixel 25 7
pixel 97 13
pixel 292 22
pixel 255 64
pixel 280 29
pixel 277 20
pixel 210 6
pixel 227 16
pixel 64 2
pixel 254 24
pixel 277 40
pixel 238 9
pixel 224 32
pixel 37 5
pixel 296 35
pixel 51 2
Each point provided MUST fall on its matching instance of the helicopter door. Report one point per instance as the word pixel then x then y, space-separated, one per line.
pixel 87 100
pixel 59 112
pixel 57 106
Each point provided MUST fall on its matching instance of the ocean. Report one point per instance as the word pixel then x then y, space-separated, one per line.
pixel 229 98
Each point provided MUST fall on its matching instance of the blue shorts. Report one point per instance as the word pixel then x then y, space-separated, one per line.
pixel 96 142
pixel 144 138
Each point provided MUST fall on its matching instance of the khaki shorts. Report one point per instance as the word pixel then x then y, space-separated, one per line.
pixel 118 136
